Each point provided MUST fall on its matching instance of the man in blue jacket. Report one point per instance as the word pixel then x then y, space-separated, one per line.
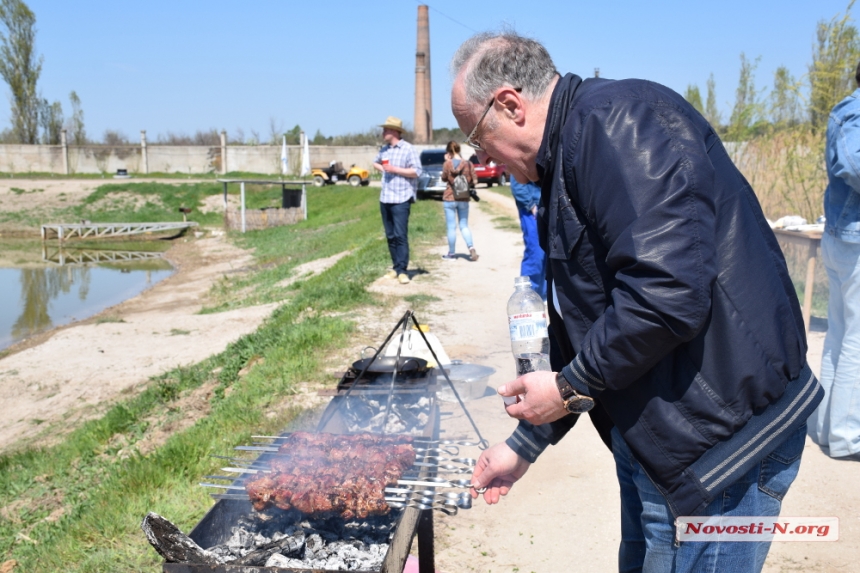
pixel 675 323
pixel 835 425
pixel 527 196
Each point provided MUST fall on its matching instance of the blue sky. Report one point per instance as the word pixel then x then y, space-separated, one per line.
pixel 343 66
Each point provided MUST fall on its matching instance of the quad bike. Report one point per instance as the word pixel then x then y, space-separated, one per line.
pixel 335 173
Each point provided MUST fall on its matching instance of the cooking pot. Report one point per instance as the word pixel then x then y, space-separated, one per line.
pixel 406 364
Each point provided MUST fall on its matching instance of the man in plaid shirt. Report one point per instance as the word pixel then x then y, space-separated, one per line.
pixel 400 170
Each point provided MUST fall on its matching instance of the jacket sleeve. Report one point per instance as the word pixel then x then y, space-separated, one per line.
pixel 446 170
pixel 643 178
pixel 847 162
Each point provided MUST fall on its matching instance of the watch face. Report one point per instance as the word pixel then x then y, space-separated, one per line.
pixel 579 404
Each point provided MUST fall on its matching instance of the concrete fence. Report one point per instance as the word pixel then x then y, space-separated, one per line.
pixel 146 158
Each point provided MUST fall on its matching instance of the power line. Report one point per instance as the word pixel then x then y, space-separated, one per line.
pixel 420 3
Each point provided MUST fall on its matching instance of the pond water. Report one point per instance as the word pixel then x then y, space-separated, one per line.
pixel 70 286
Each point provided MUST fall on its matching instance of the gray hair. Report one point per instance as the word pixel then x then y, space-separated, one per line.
pixel 505 59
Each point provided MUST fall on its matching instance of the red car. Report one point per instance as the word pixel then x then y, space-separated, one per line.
pixel 489 174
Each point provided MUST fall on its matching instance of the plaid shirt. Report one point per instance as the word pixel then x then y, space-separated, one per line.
pixel 396 188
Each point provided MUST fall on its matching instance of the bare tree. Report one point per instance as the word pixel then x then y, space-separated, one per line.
pixel 20 67
pixel 712 112
pixel 76 122
pixel 115 137
pixel 51 121
pixel 276 131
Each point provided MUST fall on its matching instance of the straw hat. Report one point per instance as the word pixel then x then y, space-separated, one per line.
pixel 393 123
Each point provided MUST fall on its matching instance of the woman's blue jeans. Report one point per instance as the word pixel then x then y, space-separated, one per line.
pixel 457 210
pixel 647 525
pixel 835 424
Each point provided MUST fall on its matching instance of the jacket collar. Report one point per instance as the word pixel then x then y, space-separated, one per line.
pixel 559 105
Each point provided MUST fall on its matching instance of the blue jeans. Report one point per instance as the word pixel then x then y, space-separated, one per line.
pixel 647 525
pixel 835 424
pixel 457 210
pixel 534 259
pixel 395 219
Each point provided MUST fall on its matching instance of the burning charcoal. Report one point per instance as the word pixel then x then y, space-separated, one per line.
pixel 172 544
pixel 313 544
pixel 278 560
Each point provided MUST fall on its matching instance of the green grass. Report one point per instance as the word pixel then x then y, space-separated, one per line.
pixel 76 506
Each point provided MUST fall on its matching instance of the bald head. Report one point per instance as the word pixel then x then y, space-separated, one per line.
pixel 486 62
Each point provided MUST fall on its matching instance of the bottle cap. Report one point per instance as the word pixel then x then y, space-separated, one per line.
pixel 519 281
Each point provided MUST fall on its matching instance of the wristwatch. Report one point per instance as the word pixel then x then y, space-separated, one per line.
pixel 573 402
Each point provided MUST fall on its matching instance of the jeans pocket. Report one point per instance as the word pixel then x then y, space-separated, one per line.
pixel 780 467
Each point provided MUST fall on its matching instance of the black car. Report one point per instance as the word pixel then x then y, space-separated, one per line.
pixel 430 181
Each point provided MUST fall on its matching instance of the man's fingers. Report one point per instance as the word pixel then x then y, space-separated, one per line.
pixel 512 388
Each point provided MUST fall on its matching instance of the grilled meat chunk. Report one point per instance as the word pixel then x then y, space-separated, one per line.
pixel 321 473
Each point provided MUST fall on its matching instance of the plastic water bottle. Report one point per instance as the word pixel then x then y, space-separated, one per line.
pixel 528 329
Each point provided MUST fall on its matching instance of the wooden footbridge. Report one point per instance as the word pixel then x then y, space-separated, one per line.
pixel 84 230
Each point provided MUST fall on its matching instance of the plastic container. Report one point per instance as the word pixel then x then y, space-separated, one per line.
pixel 470 380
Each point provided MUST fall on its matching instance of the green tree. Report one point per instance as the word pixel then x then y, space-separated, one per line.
pixel 294 136
pixel 785 105
pixel 320 139
pixel 75 128
pixel 694 96
pixel 747 110
pixel 712 112
pixel 834 59
pixel 20 67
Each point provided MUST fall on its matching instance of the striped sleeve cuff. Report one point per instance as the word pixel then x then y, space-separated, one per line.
pixel 582 380
pixel 527 443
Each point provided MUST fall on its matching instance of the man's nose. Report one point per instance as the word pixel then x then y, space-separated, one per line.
pixel 484 157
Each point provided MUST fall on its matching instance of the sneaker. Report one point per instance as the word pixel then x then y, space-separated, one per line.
pixel 472 254
pixel 391 274
pixel 449 257
pixel 403 278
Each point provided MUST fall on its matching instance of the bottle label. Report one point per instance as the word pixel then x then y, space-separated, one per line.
pixel 527 326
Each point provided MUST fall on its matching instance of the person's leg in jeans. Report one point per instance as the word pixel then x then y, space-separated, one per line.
pixel 835 424
pixel 451 224
pixel 399 243
pixel 648 539
pixel 534 260
pixel 388 225
pixel 463 216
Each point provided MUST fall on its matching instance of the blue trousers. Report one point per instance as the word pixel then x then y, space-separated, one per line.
pixel 647 524
pixel 395 219
pixel 534 259
pixel 454 211
pixel 835 424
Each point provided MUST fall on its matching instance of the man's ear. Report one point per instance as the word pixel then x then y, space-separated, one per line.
pixel 513 105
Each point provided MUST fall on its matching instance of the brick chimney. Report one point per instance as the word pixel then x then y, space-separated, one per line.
pixel 423 100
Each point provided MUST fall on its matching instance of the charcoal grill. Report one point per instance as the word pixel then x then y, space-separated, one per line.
pixel 217 525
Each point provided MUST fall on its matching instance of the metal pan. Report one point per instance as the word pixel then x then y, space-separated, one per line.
pixel 382 364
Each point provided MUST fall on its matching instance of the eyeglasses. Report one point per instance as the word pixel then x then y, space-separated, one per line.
pixel 469 139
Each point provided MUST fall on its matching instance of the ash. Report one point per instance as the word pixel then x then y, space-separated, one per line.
pixel 328 543
pixel 409 414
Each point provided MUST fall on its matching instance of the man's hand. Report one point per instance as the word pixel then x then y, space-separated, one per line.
pixel 539 399
pixel 497 469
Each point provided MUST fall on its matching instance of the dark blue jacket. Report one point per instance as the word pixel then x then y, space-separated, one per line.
pixel 677 311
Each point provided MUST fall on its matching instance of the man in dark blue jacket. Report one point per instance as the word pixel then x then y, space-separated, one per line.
pixel 675 323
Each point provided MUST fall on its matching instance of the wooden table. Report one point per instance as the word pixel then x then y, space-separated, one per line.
pixel 811 241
